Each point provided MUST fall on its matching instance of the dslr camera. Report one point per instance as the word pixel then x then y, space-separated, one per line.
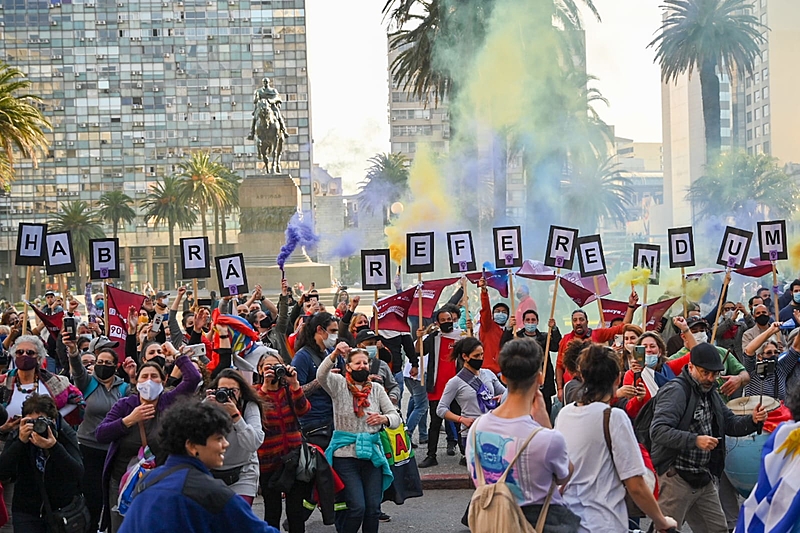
pixel 280 372
pixel 41 424
pixel 224 395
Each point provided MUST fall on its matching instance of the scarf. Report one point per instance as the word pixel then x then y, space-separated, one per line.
pixel 360 396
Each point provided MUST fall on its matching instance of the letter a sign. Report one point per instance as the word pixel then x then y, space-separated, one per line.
pixel 195 261
pixel 59 258
pixel 735 244
pixel 104 258
pixel 561 247
pixel 772 241
pixel 231 275
pixel 30 244
pixel 375 265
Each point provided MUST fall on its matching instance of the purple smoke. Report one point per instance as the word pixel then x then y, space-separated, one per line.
pixel 298 233
pixel 348 245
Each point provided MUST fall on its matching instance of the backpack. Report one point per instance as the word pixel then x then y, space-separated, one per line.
pixel 643 421
pixel 493 507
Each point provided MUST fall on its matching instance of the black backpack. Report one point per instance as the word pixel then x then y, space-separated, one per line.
pixel 643 421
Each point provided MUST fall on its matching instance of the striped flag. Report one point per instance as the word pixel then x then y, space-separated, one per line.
pixel 774 504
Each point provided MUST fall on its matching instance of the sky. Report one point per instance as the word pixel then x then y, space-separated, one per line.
pixel 348 70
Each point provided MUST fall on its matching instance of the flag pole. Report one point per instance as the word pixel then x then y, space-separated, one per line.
pixel 196 304
pixel 644 306
pixel 685 301
pixel 552 314
pixel 27 299
pixel 599 303
pixel 375 310
pixel 419 328
pixel 466 304
pixel 719 305
pixel 106 306
pixel 510 293
pixel 774 290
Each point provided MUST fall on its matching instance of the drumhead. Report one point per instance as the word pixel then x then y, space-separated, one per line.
pixel 746 404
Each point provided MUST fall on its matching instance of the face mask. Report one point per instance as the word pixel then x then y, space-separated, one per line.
pixel 446 327
pixel 99 304
pixel 650 361
pixel 26 362
pixel 476 364
pixel 501 318
pixel 728 315
pixel 330 342
pixel 700 337
pixel 265 323
pixel 796 297
pixel 360 376
pixel 372 351
pixel 159 360
pixel 520 295
pixel 149 390
pixel 630 347
pixel 762 320
pixel 103 372
pixel 531 328
pixel 362 328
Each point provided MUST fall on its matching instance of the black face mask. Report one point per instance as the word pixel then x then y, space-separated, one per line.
pixel 476 364
pixel 362 328
pixel 446 327
pixel 159 360
pixel 265 323
pixel 762 320
pixel 103 372
pixel 360 376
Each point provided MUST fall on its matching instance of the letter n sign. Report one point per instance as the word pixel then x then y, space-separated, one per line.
pixel 104 258
pixel 375 266
pixel 195 261
pixel 648 256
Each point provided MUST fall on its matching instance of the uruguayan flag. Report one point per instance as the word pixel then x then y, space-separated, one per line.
pixel 774 504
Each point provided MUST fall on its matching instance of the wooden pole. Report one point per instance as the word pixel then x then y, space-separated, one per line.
pixel 685 300
pixel 106 307
pixel 375 310
pixel 195 291
pixel 774 295
pixel 419 335
pixel 27 298
pixel 464 284
pixel 513 310
pixel 644 307
pixel 719 306
pixel 552 313
pixel 599 303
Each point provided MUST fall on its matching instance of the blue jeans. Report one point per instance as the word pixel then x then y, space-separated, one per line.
pixel 362 493
pixel 417 409
pixel 398 377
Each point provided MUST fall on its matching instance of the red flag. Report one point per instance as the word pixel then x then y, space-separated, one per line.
pixel 496 279
pixel 393 311
pixel 762 268
pixel 53 323
pixel 118 302
pixel 431 291
pixel 614 309
pixel 579 294
pixel 656 311
pixel 536 270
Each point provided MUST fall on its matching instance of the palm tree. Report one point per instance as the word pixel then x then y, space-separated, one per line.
pixel 745 187
pixel 385 183
pixel 708 35
pixel 115 207
pixel 84 225
pixel 203 184
pixel 21 122
pixel 230 182
pixel 168 204
pixel 596 191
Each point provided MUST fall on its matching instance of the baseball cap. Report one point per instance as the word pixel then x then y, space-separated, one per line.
pixel 696 320
pixel 161 294
pixel 706 356
pixel 366 335
pixel 101 343
pixel 49 293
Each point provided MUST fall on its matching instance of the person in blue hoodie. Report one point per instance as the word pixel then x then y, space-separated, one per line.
pixel 182 495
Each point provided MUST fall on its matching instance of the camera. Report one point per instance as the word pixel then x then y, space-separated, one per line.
pixel 223 395
pixel 157 320
pixel 41 424
pixel 765 368
pixel 70 327
pixel 279 371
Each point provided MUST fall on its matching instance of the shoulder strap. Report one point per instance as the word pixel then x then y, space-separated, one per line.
pixel 93 384
pixel 546 507
pixel 123 389
pixel 375 365
pixel 142 435
pixel 45 500
pixel 478 467
pixel 607 431
pixel 519 452
pixel 148 480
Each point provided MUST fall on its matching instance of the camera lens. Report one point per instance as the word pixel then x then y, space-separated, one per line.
pixel 221 395
pixel 40 426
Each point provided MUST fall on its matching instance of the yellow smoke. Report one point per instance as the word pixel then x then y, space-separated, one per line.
pixel 794 254
pixel 634 276
pixel 429 208
pixel 695 289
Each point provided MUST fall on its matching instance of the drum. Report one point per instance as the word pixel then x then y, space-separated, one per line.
pixel 743 461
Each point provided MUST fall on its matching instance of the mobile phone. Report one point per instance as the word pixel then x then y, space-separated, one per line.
pixel 618 340
pixel 92 318
pixel 638 354
pixel 157 320
pixel 637 376
pixel 196 350
pixel 766 368
pixel 313 284
pixel 70 328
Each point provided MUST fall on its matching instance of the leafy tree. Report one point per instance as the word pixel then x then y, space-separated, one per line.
pixel 386 182
pixel 115 208
pixel 710 36
pixel 22 124
pixel 167 204
pixel 594 192
pixel 745 187
pixel 204 185
pixel 84 224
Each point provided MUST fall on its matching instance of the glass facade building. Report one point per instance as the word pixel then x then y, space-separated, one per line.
pixel 131 87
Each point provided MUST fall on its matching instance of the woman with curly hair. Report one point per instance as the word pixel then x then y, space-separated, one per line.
pixel 190 500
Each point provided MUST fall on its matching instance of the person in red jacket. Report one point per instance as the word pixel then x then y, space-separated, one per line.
pixel 581 330
pixel 494 320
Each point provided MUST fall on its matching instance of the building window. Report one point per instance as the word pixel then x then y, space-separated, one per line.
pixel 757 77
pixel 757 96
pixel 765 93
pixel 766 129
pixel 749 99
pixel 757 132
pixel 765 109
pixel 749 117
pixel 758 113
pixel 749 135
pixel 766 148
pixel 765 74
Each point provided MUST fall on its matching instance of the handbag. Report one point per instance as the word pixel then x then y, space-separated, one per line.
pixel 228 475
pixel 307 462
pixel 140 465
pixel 74 518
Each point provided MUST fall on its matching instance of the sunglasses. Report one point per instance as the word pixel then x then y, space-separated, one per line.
pixel 105 363
pixel 771 353
pixel 29 353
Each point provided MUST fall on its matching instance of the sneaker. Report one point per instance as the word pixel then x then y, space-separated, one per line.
pixel 414 446
pixel 384 518
pixel 451 449
pixel 428 462
pixel 423 441
pixel 463 461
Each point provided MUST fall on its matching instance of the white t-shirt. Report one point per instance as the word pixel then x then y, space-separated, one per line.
pixel 14 407
pixel 498 440
pixel 595 492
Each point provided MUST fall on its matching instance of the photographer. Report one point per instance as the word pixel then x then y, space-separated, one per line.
pixel 44 458
pixel 284 401
pixel 240 468
pixel 763 349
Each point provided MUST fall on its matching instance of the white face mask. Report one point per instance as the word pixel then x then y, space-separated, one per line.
pixel 630 347
pixel 728 315
pixel 330 342
pixel 700 337
pixel 149 390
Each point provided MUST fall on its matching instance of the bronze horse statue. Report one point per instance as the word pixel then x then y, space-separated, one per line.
pixel 269 141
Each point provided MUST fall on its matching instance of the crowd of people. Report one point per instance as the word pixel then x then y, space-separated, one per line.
pixel 207 405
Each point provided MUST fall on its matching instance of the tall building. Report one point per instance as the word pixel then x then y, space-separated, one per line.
pixel 131 87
